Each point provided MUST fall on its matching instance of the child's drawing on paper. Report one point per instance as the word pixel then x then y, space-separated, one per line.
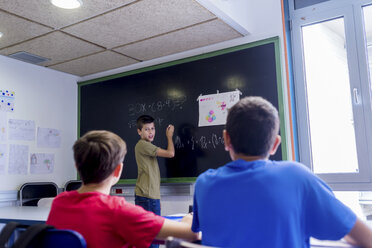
pixel 48 137
pixel 41 163
pixel 18 160
pixel 21 129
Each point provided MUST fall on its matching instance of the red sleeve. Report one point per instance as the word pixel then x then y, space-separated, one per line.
pixel 136 225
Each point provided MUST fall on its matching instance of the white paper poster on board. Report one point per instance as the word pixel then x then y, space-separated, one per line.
pixel 18 159
pixel 7 99
pixel 48 137
pixel 21 130
pixel 213 108
pixel 41 163
pixel 3 126
pixel 2 158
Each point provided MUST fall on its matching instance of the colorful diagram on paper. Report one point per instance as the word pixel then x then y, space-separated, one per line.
pixel 211 116
pixel 7 100
pixel 213 108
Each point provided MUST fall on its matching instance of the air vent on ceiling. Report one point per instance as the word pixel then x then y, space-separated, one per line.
pixel 28 57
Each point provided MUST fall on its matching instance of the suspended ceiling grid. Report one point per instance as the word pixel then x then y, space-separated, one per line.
pixel 103 35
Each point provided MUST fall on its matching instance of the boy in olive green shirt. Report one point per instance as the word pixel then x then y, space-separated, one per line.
pixel 147 191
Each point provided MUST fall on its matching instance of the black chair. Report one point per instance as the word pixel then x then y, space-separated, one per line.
pixel 73 185
pixel 31 193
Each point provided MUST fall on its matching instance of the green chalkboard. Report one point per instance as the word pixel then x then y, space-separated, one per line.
pixel 169 93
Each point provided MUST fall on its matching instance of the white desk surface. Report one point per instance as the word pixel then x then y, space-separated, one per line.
pixel 24 213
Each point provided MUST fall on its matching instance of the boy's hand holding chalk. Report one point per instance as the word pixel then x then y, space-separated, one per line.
pixel 169 131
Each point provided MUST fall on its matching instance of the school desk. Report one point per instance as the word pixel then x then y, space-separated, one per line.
pixel 29 215
pixel 26 215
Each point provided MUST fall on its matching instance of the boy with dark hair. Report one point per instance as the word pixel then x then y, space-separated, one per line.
pixel 147 190
pixel 256 202
pixel 104 220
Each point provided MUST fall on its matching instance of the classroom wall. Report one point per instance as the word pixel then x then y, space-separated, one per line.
pixel 49 98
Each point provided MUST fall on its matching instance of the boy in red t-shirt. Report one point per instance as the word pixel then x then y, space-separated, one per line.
pixel 104 220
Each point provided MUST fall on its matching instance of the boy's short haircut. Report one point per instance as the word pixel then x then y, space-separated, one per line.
pixel 144 119
pixel 252 125
pixel 97 155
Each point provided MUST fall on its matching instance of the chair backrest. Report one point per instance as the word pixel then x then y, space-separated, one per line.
pixel 31 193
pixel 45 202
pixel 15 234
pixel 73 185
pixel 55 238
pixel 172 242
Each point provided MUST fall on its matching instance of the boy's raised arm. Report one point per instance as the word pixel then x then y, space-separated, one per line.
pixel 169 153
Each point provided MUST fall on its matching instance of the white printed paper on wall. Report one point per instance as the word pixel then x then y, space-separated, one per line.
pixel 48 137
pixel 21 129
pixel 213 108
pixel 2 158
pixel 3 126
pixel 18 159
pixel 7 99
pixel 41 163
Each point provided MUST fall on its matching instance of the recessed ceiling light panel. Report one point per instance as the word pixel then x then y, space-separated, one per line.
pixel 67 4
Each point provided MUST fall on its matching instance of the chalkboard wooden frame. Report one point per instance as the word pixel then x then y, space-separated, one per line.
pixel 274 41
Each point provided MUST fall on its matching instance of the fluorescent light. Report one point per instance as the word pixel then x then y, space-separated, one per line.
pixel 67 4
pixel 1 34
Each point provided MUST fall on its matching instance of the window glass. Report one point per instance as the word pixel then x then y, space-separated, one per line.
pixel 329 98
pixel 367 12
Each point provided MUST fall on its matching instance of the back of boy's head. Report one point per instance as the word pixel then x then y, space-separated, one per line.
pixel 252 124
pixel 97 154
pixel 144 119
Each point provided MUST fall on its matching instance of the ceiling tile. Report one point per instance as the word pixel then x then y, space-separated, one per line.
pixel 140 20
pixel 94 63
pixel 56 46
pixel 16 29
pixel 44 12
pixel 182 40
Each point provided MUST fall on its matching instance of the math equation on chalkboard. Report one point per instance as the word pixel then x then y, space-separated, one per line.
pixel 203 142
pixel 154 107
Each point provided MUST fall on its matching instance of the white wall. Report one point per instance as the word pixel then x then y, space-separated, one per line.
pixel 49 98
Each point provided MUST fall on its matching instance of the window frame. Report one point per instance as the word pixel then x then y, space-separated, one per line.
pixel 357 56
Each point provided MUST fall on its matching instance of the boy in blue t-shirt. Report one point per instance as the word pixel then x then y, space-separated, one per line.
pixel 256 202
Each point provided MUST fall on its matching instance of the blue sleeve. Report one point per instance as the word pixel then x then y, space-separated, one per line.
pixel 325 216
